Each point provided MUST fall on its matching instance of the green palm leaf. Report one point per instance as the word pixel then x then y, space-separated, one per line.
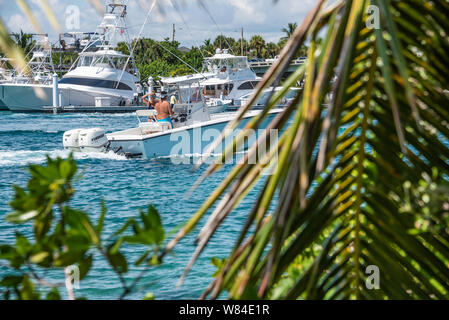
pixel 371 119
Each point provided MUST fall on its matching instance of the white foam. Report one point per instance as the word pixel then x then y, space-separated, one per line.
pixel 25 157
pixel 99 155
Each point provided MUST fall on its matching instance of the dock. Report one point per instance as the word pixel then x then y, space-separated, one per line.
pixel 94 109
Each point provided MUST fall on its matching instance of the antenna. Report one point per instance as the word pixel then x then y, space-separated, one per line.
pixel 175 5
pixel 242 42
pixel 201 3
pixel 135 43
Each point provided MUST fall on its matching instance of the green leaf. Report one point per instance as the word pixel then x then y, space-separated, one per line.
pixel 69 258
pixel 117 261
pixel 53 294
pixel 142 258
pixel 39 257
pixel 84 266
pixel 27 291
pixel 21 217
pixel 116 246
pixel 11 281
pixel 66 169
pixel 154 261
pixel 149 296
pixel 23 246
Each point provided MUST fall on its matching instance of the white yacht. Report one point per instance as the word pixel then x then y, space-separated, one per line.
pixel 263 100
pixel 225 78
pixel 40 67
pixel 101 76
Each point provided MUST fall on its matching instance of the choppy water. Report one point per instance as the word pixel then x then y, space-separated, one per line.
pixel 126 186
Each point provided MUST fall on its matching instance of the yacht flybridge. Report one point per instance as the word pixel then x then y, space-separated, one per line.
pixel 5 74
pixel 40 64
pixel 225 77
pixel 101 76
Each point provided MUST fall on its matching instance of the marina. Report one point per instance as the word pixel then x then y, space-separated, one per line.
pixel 102 79
pixel 100 72
pixel 119 131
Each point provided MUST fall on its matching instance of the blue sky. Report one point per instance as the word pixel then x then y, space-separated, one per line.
pixel 262 17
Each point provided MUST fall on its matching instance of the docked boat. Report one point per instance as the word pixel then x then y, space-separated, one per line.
pixel 101 76
pixel 263 100
pixel 41 70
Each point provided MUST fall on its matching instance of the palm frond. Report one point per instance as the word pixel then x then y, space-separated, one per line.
pixel 50 15
pixel 23 5
pixel 371 118
pixel 12 51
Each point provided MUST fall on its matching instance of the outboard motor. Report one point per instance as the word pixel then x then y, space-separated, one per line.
pixel 93 140
pixel 70 140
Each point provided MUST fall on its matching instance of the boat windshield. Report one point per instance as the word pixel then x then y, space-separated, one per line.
pixel 119 62
pixel 102 61
pixel 227 64
pixel 85 61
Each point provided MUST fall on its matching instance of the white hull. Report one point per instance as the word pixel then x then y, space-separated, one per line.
pixel 188 140
pixel 2 104
pixel 33 98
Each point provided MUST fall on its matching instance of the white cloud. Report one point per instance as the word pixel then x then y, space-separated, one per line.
pixel 249 11
pixel 256 17
pixel 18 22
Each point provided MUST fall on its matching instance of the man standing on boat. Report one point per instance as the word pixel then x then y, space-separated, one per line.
pixel 173 101
pixel 152 101
pixel 164 110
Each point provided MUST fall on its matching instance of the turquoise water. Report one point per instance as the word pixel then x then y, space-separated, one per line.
pixel 126 186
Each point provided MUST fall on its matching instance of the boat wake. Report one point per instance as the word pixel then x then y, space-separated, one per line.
pixel 24 157
pixel 110 155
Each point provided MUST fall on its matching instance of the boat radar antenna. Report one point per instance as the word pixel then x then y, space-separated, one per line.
pixel 106 33
pixel 175 6
pixel 136 41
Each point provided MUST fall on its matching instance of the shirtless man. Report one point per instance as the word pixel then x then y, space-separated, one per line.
pixel 152 101
pixel 164 111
